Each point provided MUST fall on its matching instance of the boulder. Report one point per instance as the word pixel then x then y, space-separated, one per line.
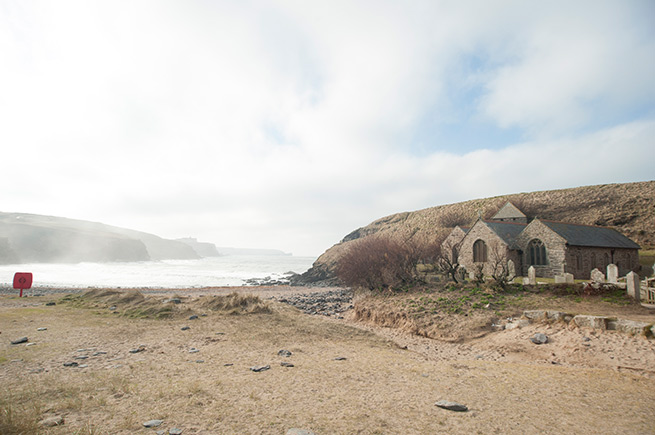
pixel 594 322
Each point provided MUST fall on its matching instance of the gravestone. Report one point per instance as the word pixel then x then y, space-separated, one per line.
pixel 612 273
pixel 472 276
pixel 568 278
pixel 532 276
pixel 526 281
pixel 560 279
pixel 634 286
pixel 511 270
pixel 597 276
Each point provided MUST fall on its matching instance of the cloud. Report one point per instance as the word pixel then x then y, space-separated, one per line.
pixel 288 124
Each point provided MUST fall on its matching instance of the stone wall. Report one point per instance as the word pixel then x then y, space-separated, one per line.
pixel 555 249
pixel 581 260
pixel 495 244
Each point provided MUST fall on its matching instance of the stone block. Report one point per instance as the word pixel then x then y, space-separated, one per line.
pixel 630 327
pixel 558 316
pixel 594 322
pixel 569 278
pixel 535 315
pixel 559 279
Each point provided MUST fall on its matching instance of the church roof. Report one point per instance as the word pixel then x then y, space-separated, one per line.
pixel 508 211
pixel 586 235
pixel 508 231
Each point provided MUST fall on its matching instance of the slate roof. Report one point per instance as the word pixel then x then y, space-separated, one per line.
pixel 508 211
pixel 508 231
pixel 586 235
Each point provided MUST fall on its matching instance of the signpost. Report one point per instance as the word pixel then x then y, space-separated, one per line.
pixel 22 281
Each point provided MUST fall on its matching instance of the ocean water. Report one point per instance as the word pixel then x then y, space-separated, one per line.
pixel 230 270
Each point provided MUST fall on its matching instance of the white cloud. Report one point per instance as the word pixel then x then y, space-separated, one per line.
pixel 288 124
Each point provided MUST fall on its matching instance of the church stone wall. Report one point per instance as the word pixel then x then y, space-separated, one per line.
pixel 555 249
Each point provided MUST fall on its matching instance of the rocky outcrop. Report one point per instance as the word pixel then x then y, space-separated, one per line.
pixel 628 207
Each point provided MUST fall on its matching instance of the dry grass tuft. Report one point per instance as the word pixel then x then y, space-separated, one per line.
pixel 236 303
pixel 130 303
pixel 16 421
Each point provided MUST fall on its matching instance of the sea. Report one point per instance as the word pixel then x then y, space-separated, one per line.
pixel 229 270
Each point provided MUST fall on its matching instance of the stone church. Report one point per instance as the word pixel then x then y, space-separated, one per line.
pixel 553 248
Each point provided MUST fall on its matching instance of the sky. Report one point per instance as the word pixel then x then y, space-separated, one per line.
pixel 288 124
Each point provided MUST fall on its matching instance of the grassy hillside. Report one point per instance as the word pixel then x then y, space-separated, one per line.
pixel 628 208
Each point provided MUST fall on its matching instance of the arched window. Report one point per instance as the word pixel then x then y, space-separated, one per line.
pixel 537 253
pixel 479 251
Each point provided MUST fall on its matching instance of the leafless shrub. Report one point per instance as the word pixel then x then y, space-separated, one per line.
pixel 380 263
pixel 447 260
pixel 500 269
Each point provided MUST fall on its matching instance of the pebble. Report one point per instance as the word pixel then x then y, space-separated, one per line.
pixel 50 304
pixel 41 329
pixel 174 431
pixel 260 368
pixel 451 406
pixel 19 340
pixel 52 421
pixel 185 328
pixel 83 366
pixel 286 364
pixel 70 364
pixel 326 303
pixel 30 344
pixel 138 349
pixel 81 357
pixel 228 365
pixel 173 300
pixel 194 350
pixel 200 361
pixel 100 352
pixel 340 358
pixel 539 338
pixel 153 423
pixel 112 308
pixel 194 317
pixel 284 352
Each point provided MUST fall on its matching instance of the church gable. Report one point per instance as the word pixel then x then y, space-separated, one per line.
pixel 510 213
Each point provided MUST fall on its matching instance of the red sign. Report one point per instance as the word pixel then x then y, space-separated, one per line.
pixel 22 281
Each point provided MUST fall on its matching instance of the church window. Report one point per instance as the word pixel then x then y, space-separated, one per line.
pixel 479 251
pixel 537 253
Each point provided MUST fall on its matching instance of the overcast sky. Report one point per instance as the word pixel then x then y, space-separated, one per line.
pixel 288 124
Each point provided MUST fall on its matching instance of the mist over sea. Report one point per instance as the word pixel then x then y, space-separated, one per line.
pixel 229 270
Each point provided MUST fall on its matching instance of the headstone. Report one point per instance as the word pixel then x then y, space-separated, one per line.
pixel 532 276
pixel 612 273
pixel 511 269
pixel 569 278
pixel 634 286
pixel 560 279
pixel 597 276
pixel 526 281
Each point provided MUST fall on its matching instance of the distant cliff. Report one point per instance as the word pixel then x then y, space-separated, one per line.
pixel 204 249
pixel 29 238
pixel 628 207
